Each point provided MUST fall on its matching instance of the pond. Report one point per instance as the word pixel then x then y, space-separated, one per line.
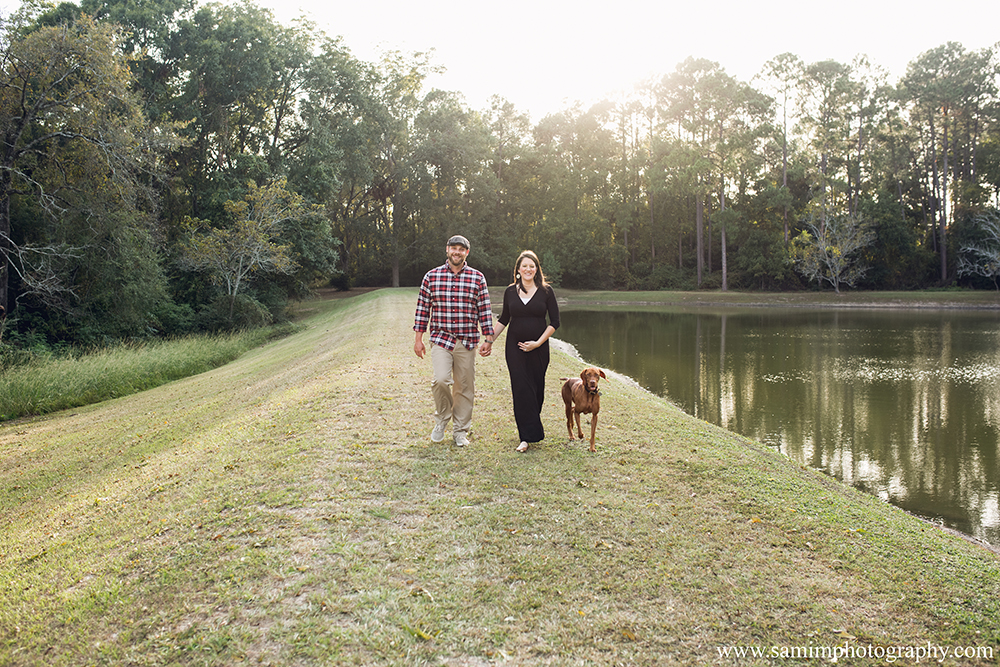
pixel 904 404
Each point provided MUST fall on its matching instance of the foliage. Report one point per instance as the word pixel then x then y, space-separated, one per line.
pixel 896 258
pixel 248 247
pixel 73 131
pixel 761 261
pixel 831 252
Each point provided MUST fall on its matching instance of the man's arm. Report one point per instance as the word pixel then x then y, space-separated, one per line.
pixel 485 319
pixel 418 345
pixel 487 347
pixel 485 310
pixel 422 318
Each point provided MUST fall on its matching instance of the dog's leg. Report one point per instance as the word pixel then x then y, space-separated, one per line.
pixel 569 419
pixel 579 429
pixel 593 431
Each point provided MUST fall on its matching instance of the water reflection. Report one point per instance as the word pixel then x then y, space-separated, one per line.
pixel 903 404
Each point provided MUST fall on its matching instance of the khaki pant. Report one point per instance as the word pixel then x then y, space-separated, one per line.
pixel 454 385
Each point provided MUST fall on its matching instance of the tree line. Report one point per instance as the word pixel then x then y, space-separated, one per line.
pixel 169 167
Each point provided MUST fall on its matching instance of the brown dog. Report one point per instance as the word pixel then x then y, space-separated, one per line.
pixel 581 395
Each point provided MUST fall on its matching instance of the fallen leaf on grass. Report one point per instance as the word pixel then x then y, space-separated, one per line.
pixel 418 591
pixel 418 633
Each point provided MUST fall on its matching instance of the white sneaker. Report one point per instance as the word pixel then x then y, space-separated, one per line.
pixel 437 435
pixel 461 439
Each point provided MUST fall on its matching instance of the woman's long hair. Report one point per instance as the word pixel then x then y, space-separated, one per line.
pixel 539 276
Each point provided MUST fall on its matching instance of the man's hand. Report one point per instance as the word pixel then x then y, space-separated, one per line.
pixel 418 347
pixel 486 348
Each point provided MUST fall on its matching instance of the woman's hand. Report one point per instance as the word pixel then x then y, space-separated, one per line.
pixel 528 345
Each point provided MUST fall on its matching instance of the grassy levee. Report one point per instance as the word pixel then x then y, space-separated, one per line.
pixel 290 509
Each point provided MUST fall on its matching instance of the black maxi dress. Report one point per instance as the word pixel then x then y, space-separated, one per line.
pixel 526 321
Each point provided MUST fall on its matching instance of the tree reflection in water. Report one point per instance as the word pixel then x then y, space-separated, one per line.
pixel 902 404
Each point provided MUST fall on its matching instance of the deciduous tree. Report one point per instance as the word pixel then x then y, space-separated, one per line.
pixel 249 246
pixel 69 121
pixel 830 252
pixel 982 257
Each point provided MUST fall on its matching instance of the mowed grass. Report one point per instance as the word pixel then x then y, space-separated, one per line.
pixel 290 509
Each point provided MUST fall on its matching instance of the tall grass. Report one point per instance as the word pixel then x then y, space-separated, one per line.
pixel 49 384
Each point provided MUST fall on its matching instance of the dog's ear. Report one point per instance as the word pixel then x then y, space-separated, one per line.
pixel 602 374
pixel 583 374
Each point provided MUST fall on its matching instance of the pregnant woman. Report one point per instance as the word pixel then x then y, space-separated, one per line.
pixel 526 303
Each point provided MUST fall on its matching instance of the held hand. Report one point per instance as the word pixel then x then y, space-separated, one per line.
pixel 485 348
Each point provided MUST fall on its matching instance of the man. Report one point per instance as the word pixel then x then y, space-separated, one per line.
pixel 454 303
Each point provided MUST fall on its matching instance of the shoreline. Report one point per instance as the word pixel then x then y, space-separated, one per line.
pixel 932 300
pixel 958 300
pixel 818 305
pixel 570 350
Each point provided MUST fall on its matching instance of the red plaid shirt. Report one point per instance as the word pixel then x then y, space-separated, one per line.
pixel 455 306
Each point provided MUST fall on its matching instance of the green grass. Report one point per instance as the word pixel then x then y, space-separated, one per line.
pixel 289 509
pixel 50 384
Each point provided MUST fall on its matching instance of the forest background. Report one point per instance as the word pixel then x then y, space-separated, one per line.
pixel 170 167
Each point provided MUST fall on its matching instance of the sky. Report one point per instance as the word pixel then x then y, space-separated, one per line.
pixel 544 55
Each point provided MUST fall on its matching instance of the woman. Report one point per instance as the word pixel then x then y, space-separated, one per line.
pixel 526 303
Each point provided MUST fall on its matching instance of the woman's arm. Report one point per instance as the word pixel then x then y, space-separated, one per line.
pixel 487 346
pixel 529 345
pixel 553 306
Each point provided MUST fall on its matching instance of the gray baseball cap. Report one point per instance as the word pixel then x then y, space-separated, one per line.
pixel 458 239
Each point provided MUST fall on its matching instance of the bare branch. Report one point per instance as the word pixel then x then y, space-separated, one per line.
pixel 982 258
pixel 36 266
